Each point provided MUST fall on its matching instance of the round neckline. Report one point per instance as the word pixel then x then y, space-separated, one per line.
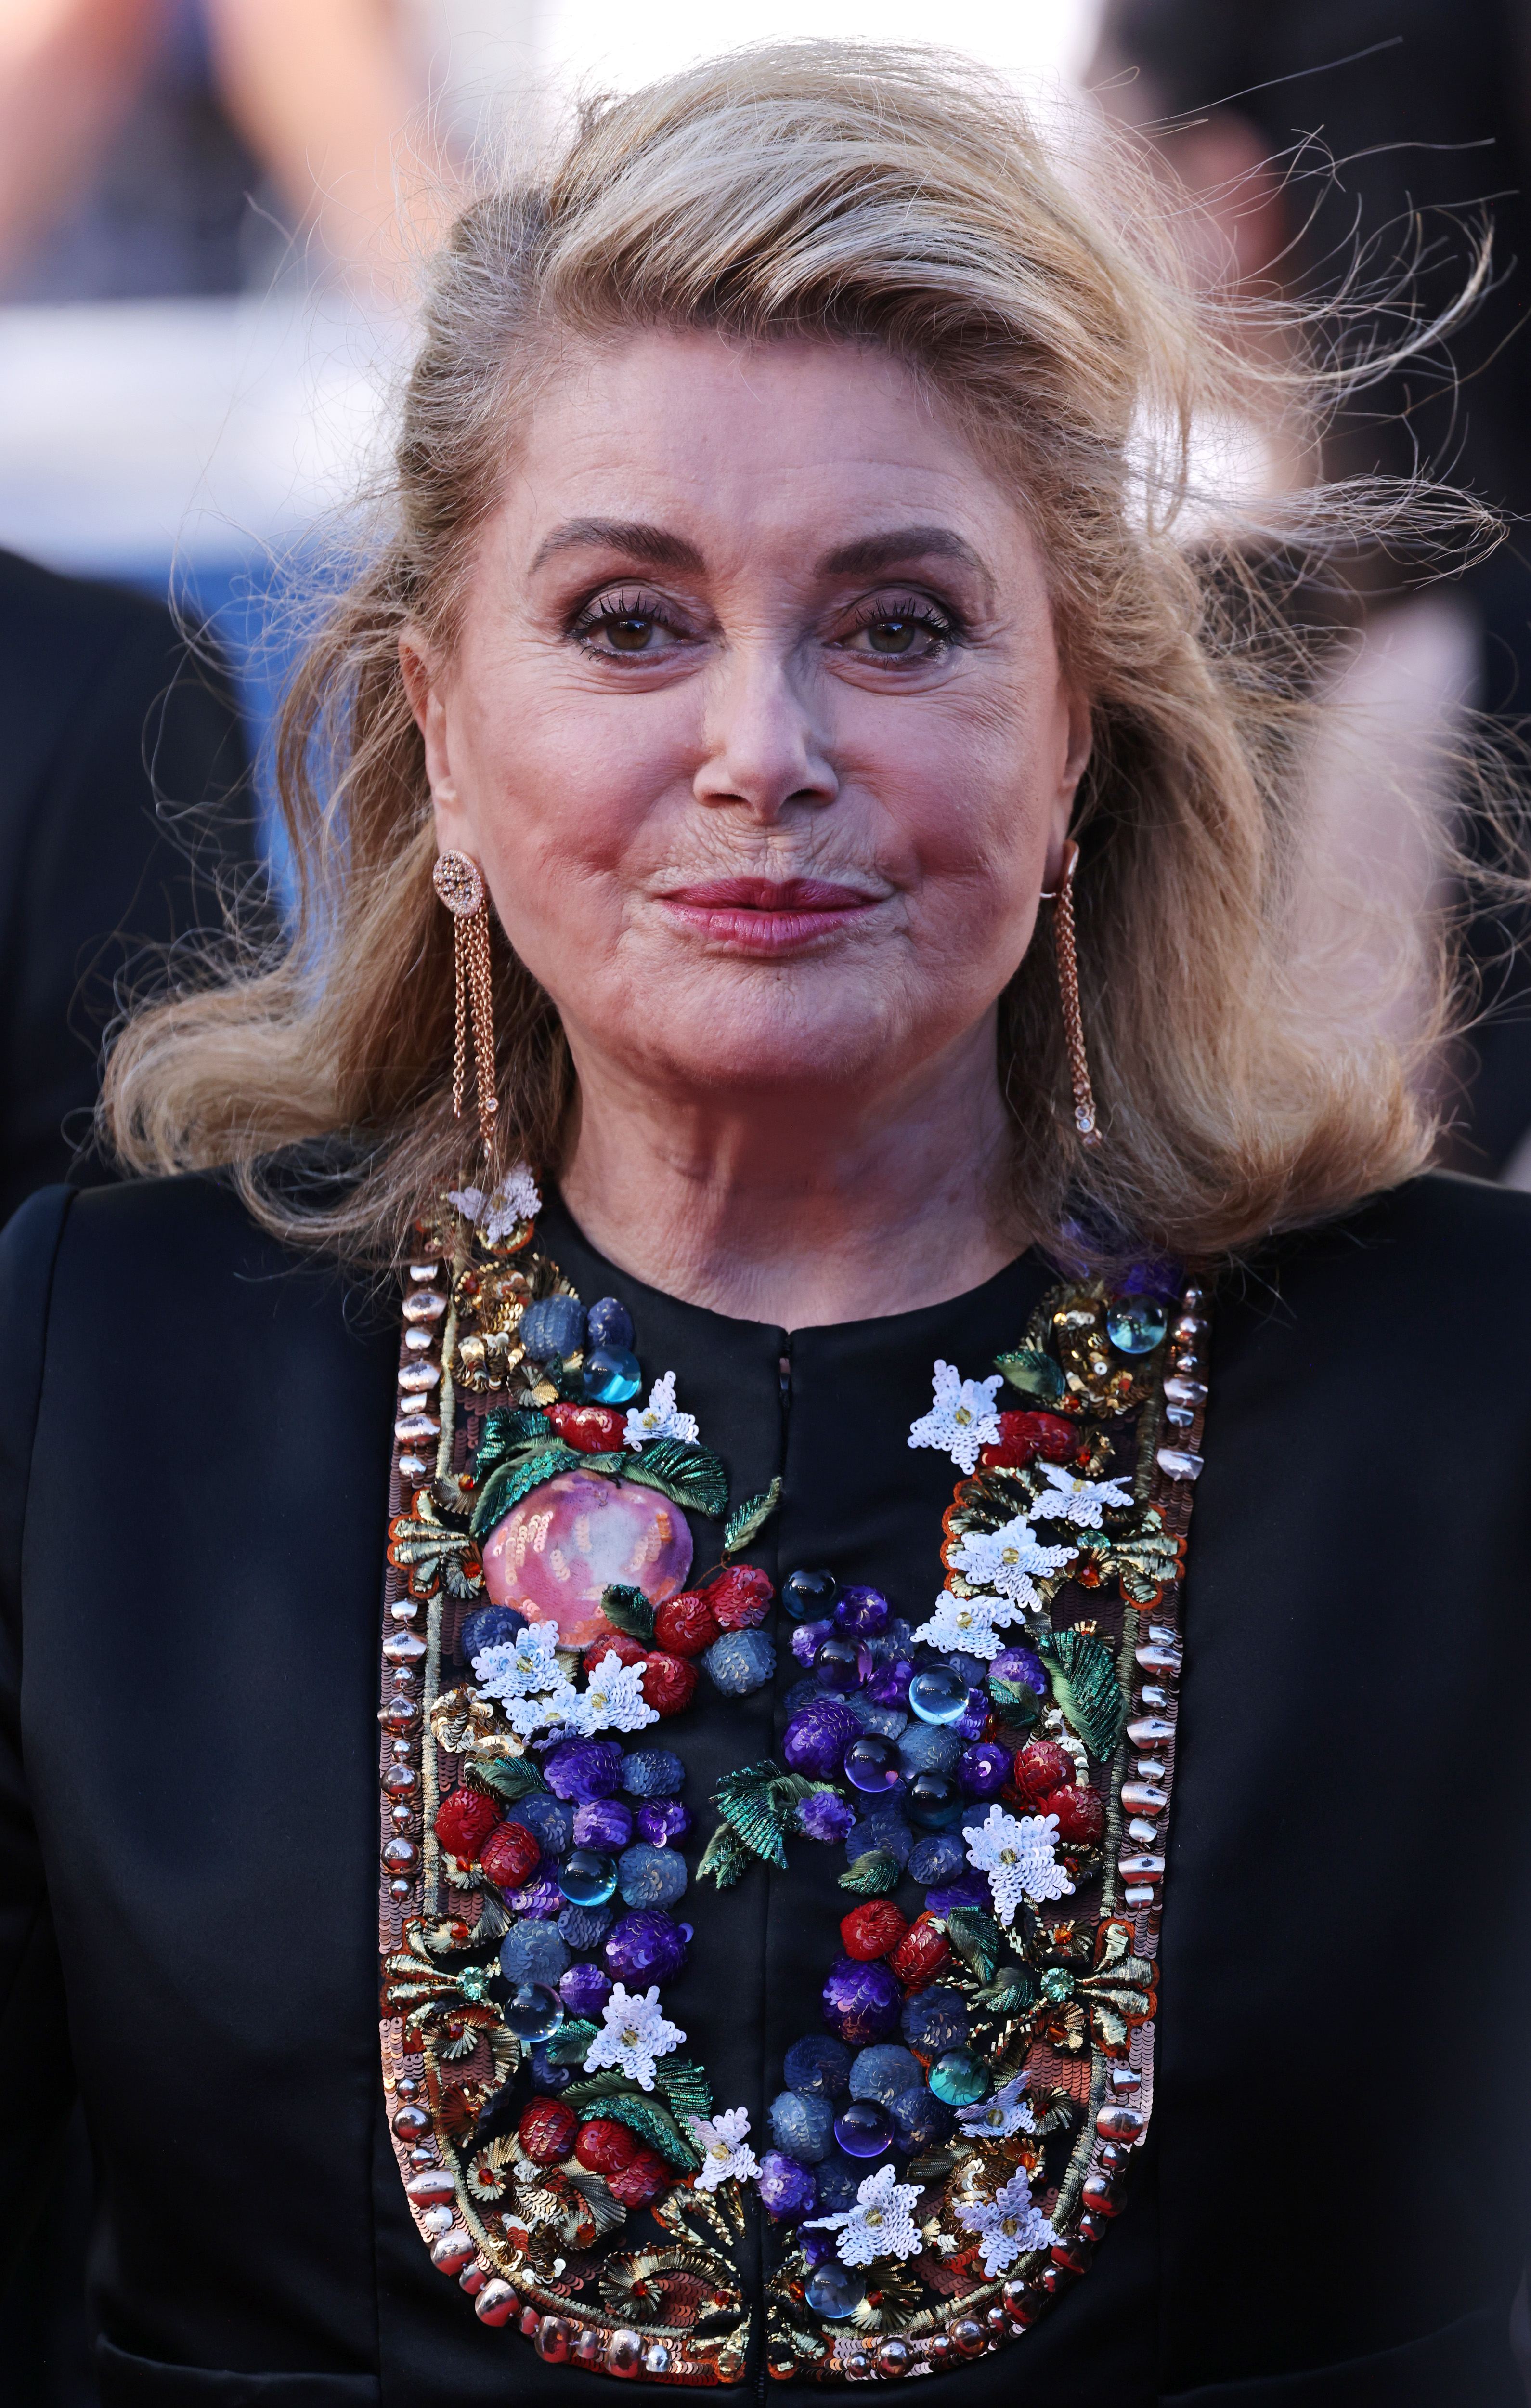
pixel 909 1324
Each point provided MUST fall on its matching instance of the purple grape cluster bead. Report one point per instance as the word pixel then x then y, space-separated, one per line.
pixel 584 1989
pixel 643 1947
pixel 824 1818
pixel 1022 1667
pixel 815 1740
pixel 584 1769
pixel 602 1823
pixel 540 1896
pixel 860 2001
pixel 786 2189
pixel 864 1611
pixel 807 1640
pixel 982 1770
pixel 662 1820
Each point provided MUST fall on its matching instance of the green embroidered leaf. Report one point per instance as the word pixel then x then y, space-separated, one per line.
pixel 685 2086
pixel 1015 1993
pixel 517 1478
pixel 872 1875
pixel 657 2126
pixel 748 1520
pixel 975 1938
pixel 1015 1697
pixel 570 2042
pixel 628 1610
pixel 760 1801
pixel 601 2087
pixel 508 1433
pixel 691 1476
pixel 724 1858
pixel 511 1776
pixel 1085 1687
pixel 1034 1373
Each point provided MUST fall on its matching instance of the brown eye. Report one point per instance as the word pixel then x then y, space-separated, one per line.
pixel 629 634
pixel 894 635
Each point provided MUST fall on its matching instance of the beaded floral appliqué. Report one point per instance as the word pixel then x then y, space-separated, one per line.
pixel 948 2146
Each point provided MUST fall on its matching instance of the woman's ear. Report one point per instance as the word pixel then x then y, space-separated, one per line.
pixel 427 702
pixel 1075 760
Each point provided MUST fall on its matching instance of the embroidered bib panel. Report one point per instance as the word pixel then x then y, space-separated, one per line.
pixel 949 2138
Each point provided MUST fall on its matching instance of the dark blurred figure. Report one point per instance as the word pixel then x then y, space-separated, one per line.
pixel 1429 135
pixel 123 813
pixel 123 819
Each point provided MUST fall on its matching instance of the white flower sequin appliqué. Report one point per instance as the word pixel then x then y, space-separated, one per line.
pixel 962 1418
pixel 1006 2224
pixel 1009 1561
pixel 1078 1500
pixel 724 2141
pixel 634 2035
pixel 881 2223
pixel 996 2118
pixel 1019 1855
pixel 659 1417
pixel 495 1216
pixel 612 1700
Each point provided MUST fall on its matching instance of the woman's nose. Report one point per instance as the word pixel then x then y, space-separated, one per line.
pixel 763 747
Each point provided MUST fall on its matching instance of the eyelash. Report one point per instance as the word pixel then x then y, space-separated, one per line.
pixel 610 609
pixel 944 623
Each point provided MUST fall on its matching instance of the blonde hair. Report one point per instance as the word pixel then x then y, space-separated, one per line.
pixel 901 199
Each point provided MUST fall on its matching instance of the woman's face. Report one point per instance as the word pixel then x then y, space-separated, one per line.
pixel 756 723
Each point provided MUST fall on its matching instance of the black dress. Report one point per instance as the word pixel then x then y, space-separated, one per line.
pixel 1333 2207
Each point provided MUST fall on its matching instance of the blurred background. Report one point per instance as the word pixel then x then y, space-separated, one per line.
pixel 209 216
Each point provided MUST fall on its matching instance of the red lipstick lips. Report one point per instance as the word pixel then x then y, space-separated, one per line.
pixel 767 915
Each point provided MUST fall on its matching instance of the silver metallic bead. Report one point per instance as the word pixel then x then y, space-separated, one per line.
pixel 425 1306
pixel 1178 1462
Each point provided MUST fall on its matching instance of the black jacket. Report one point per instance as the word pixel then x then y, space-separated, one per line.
pixel 1334 2206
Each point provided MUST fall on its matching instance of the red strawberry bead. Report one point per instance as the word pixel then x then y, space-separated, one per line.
pixel 740 1596
pixel 1080 1813
pixel 510 1856
pixel 464 1821
pixel 922 1953
pixel 595 1429
pixel 1023 1437
pixel 872 1929
pixel 686 1624
pixel 640 2180
pixel 547 2130
pixel 1040 1767
pixel 605 2146
pixel 669 1682
pixel 626 1651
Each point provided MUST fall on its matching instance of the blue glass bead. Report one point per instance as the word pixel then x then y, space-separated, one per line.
pixel 807 1640
pixel 653 1773
pixel 934 2020
pixel 929 1747
pixel 940 1858
pixel 662 1820
pixel 801 2125
pixel 888 1722
pixel 554 1327
pixel 533 1952
pixel 817 2066
pixel 533 2012
pixel 833 2290
pixel 651 1876
pixel 740 1662
pixel 610 1324
pixel 613 1376
pixel 921 2121
pixel 1136 1324
pixel 837 2181
pixel 492 1625
pixel 806 1594
pixel 959 2078
pixel 786 2189
pixel 863 1611
pixel 602 1823
pixel 840 1664
pixel 938 1695
pixel 885 1833
pixel 585 1926
pixel 983 1770
pixel 584 1988
pixel 863 2128
pixel 933 1801
pixel 881 2073
pixel 872 1764
pixel 588 1878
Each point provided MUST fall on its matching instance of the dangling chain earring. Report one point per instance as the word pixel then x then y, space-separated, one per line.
pixel 1062 896
pixel 459 882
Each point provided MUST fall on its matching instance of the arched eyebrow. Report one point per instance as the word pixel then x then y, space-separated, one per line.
pixel 654 545
pixel 871 553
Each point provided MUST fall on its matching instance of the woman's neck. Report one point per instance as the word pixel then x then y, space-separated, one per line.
pixel 801 1208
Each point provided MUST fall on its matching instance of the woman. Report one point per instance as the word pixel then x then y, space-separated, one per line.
pixel 786 1471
